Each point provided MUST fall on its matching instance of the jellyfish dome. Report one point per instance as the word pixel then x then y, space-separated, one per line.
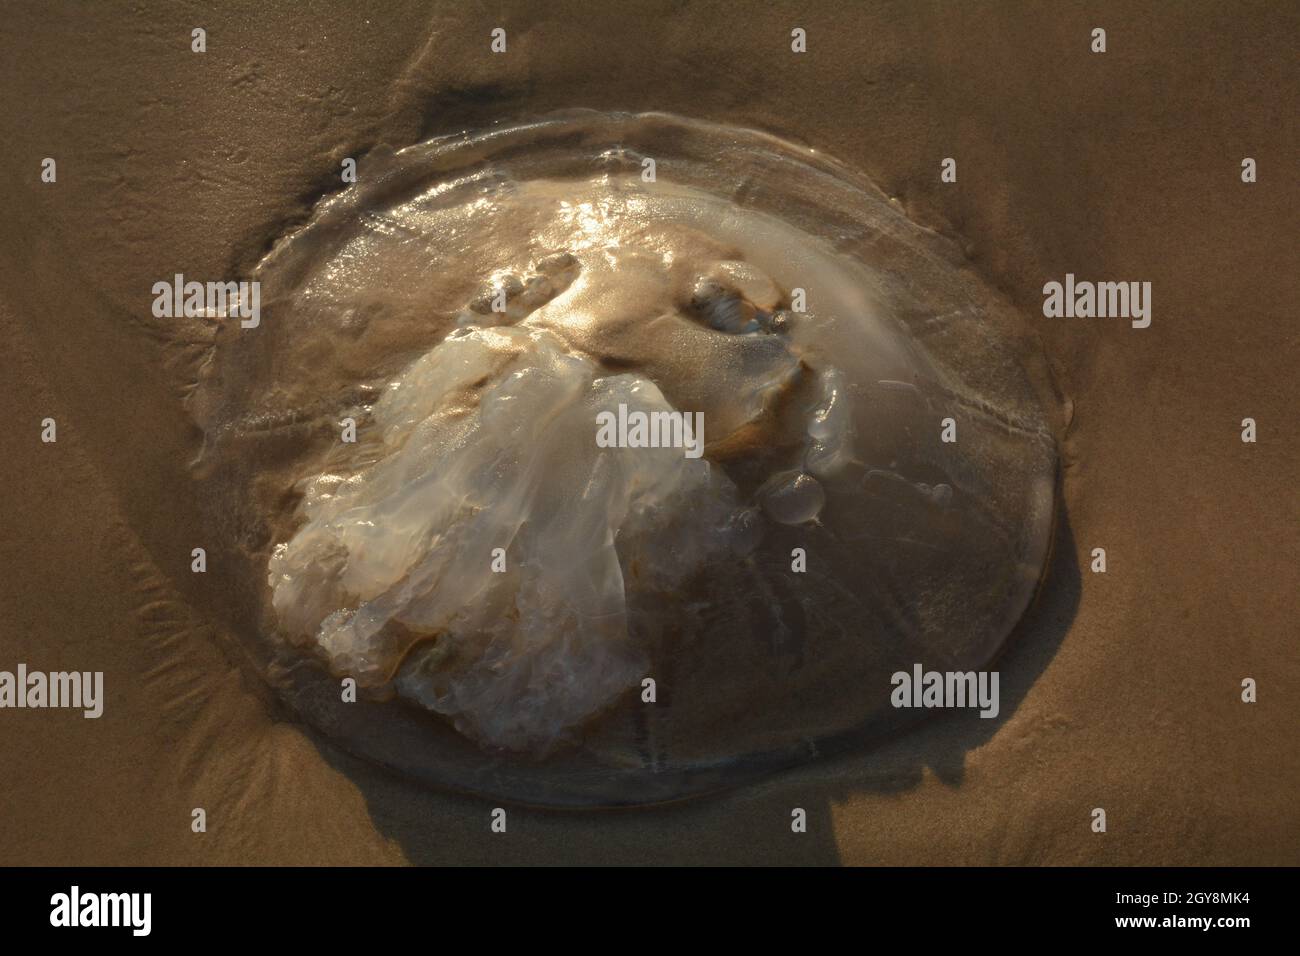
pixel 616 458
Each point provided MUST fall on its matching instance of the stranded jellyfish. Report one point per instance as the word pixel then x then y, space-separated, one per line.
pixel 604 481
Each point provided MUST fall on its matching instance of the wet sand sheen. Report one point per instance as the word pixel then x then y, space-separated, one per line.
pixel 1080 718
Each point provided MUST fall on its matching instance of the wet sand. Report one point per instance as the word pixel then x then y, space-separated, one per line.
pixel 1120 690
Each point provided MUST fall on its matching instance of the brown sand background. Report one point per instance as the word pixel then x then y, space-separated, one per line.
pixel 1122 690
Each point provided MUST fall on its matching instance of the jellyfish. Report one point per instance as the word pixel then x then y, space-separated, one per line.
pixel 531 613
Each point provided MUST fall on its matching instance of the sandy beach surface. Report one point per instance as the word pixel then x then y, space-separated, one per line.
pixel 1120 690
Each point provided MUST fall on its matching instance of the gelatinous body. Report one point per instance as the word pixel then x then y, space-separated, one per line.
pixel 546 580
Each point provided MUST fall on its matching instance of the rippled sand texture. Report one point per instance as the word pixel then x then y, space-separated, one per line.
pixel 824 337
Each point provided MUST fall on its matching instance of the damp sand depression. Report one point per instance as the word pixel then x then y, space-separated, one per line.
pixel 499 585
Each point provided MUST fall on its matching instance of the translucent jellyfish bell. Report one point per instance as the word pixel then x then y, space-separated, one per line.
pixel 533 612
